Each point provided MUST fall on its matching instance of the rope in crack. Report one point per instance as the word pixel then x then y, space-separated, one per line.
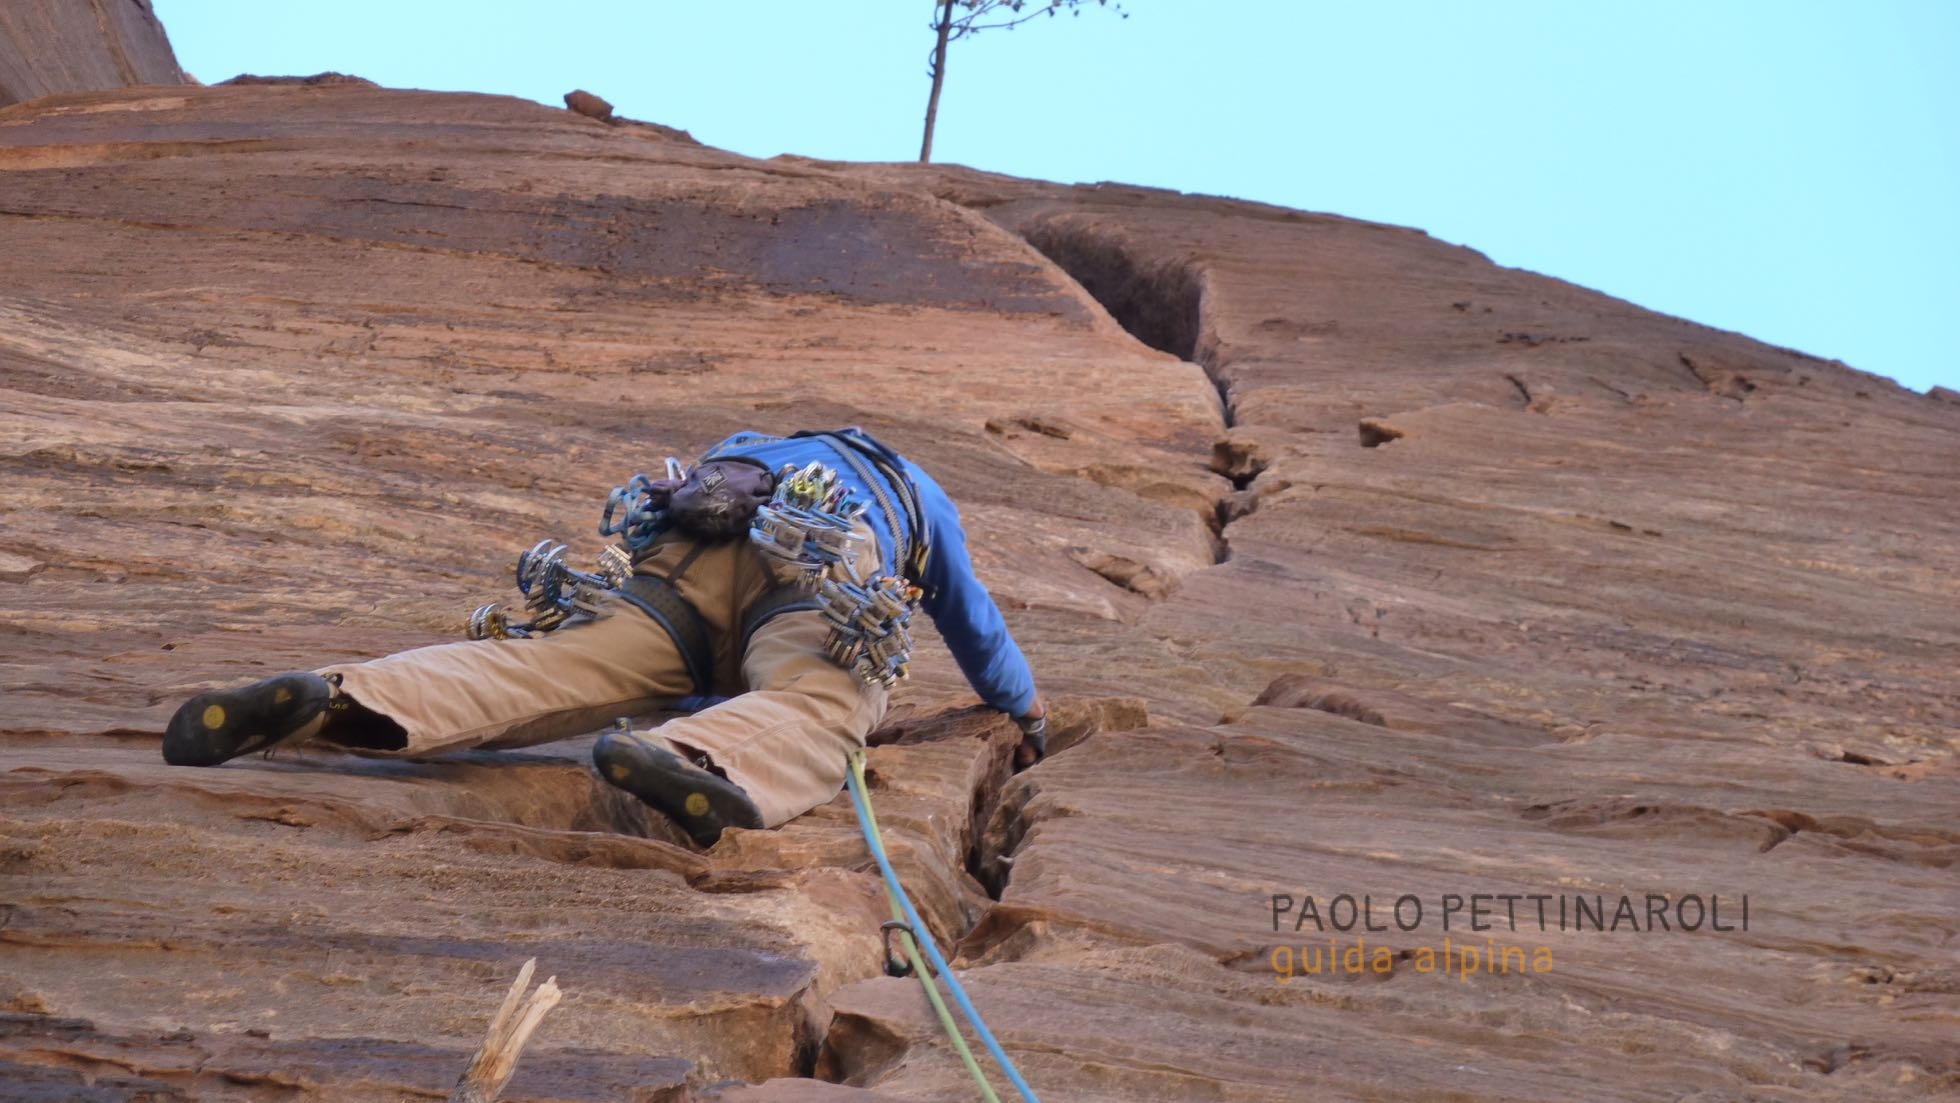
pixel 914 937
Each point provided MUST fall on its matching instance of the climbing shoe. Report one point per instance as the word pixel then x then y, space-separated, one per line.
pixel 702 802
pixel 216 727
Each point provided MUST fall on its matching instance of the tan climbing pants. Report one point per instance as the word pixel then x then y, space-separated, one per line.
pixel 783 737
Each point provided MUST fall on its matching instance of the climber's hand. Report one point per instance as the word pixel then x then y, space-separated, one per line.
pixel 1034 736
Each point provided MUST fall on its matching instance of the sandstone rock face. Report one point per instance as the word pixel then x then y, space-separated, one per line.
pixel 1354 566
pixel 54 46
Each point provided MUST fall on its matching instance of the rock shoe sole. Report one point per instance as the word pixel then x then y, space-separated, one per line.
pixel 703 803
pixel 216 727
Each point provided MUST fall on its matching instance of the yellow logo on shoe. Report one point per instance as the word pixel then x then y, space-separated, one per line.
pixel 214 717
pixel 618 771
pixel 697 804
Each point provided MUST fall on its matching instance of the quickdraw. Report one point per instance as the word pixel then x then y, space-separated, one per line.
pixel 895 963
pixel 633 514
pixel 554 591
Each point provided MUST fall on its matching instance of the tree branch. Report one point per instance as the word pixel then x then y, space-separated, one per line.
pixel 513 1025
pixel 969 24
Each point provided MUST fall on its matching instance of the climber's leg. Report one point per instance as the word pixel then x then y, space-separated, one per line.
pixel 514 692
pixel 785 741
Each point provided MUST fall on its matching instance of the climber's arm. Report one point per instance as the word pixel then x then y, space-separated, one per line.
pixel 965 613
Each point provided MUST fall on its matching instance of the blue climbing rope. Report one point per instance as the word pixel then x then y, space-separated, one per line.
pixel 868 824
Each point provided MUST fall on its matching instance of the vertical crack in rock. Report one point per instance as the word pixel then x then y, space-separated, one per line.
pixel 991 858
pixel 1160 302
pixel 991 786
pixel 1003 818
pixel 986 798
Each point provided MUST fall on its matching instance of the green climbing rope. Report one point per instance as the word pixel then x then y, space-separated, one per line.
pixel 870 825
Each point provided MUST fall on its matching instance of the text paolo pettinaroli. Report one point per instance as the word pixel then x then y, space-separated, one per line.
pixel 1454 915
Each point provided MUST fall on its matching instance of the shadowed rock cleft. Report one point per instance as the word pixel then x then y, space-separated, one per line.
pixel 1376 432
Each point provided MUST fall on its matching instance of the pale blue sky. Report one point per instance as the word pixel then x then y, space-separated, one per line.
pixel 1786 168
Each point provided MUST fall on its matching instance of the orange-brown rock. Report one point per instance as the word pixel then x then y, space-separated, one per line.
pixel 1622 606
pixel 54 46
pixel 317 80
pixel 589 105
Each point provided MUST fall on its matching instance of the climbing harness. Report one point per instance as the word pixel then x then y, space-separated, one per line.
pixel 906 923
pixel 662 601
pixel 884 475
pixel 809 526
pixel 555 592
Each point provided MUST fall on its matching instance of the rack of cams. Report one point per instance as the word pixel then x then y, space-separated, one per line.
pixel 869 633
pixel 809 526
pixel 554 592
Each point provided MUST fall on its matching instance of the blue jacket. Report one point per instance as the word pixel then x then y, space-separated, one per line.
pixel 919 532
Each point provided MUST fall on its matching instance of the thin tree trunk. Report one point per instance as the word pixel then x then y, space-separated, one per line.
pixel 938 77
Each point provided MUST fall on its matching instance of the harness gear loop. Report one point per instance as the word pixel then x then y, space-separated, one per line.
pixel 869 633
pixel 809 524
pixel 635 514
pixel 554 592
pixel 866 454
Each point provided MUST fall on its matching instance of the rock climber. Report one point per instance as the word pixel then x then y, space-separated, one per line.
pixel 776 573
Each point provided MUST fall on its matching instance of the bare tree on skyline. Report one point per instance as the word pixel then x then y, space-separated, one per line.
pixel 956 19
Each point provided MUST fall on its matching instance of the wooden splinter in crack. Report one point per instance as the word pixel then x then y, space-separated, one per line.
pixel 491 1069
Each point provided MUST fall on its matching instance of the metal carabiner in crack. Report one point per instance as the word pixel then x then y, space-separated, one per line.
pixel 895 965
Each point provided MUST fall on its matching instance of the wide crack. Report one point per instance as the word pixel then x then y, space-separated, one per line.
pixel 1160 302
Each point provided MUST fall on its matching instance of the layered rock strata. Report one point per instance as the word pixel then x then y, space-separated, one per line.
pixel 49 47
pixel 1355 564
